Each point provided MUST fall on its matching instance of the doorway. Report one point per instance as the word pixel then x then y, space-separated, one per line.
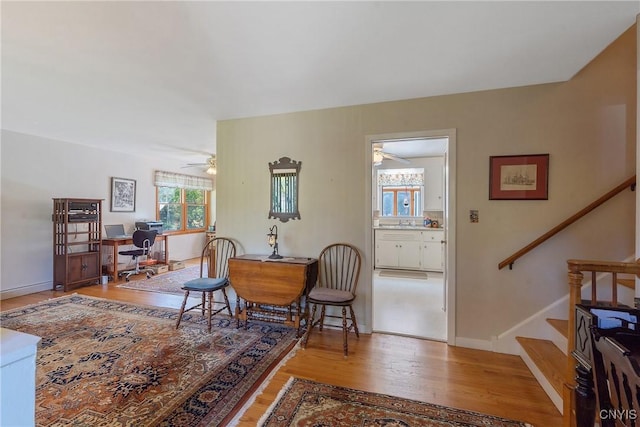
pixel 413 292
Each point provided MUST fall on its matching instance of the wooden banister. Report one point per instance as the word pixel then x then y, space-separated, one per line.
pixel 631 183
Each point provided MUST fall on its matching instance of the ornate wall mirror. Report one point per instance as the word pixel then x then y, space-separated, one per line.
pixel 284 189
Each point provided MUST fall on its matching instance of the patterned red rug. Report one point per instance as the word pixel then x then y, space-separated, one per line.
pixel 307 403
pixel 167 283
pixel 104 362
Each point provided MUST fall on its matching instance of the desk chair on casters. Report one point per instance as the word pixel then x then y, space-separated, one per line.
pixel 338 273
pixel 217 250
pixel 143 240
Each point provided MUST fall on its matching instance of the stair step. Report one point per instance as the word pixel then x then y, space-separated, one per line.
pixel 560 325
pixel 629 283
pixel 551 362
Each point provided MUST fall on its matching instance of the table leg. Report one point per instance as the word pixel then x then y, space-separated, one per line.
pixel 115 262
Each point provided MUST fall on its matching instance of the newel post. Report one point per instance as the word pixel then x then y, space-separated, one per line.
pixel 575 297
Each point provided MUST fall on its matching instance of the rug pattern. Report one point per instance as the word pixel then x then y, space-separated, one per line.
pixel 104 362
pixel 308 403
pixel 168 283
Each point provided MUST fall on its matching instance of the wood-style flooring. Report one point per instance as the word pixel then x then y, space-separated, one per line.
pixel 429 371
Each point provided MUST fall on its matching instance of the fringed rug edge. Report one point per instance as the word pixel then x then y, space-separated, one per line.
pixel 236 419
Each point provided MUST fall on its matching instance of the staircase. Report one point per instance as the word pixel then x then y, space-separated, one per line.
pixel 550 361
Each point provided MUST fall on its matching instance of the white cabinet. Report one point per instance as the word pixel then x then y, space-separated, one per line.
pixel 398 249
pixel 434 184
pixel 18 353
pixel 409 249
pixel 432 250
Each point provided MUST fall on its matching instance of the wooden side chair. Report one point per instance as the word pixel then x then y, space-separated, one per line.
pixel 617 378
pixel 338 273
pixel 222 249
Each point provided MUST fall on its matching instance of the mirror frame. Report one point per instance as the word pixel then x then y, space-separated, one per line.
pixel 284 164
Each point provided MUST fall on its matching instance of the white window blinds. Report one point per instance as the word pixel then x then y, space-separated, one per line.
pixel 172 179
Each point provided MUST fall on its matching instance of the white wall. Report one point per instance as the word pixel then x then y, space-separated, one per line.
pixel 587 125
pixel 35 170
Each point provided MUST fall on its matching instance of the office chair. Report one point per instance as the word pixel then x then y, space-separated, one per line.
pixel 143 240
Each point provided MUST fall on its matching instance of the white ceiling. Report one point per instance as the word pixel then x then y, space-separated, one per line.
pixel 135 76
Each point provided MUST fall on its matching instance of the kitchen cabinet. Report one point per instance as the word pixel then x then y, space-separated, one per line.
pixel 413 249
pixel 398 249
pixel 432 250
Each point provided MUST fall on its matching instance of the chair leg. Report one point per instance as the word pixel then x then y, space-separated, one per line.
pixel 204 301
pixel 354 323
pixel 238 309
pixel 226 301
pixel 345 331
pixel 184 304
pixel 322 318
pixel 309 326
pixel 210 308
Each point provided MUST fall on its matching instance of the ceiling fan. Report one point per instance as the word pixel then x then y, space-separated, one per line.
pixel 210 165
pixel 379 156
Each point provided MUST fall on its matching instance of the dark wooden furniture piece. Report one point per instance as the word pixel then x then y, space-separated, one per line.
pixel 207 284
pixel 272 290
pixel 339 271
pixel 593 324
pixel 77 247
pixel 617 377
pixel 115 243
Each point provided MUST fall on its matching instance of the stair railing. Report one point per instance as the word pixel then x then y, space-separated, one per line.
pixel 629 183
pixel 577 268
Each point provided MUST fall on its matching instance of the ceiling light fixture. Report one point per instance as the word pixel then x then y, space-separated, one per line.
pixel 377 158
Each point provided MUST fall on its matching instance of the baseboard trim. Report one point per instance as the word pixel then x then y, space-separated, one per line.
pixel 474 343
pixel 25 290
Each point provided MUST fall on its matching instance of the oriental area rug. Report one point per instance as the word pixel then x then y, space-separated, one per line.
pixel 307 403
pixel 103 362
pixel 167 283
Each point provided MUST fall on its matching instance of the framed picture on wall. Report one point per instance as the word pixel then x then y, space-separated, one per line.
pixel 123 195
pixel 523 177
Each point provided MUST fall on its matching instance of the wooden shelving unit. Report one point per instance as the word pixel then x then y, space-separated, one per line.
pixel 77 242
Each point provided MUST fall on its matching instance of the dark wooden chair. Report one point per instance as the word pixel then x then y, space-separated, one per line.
pixel 338 273
pixel 616 371
pixel 218 251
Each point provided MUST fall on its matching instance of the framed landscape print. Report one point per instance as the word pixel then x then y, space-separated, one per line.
pixel 523 177
pixel 123 195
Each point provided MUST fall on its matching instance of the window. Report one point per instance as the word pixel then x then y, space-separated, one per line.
pixel 401 201
pixel 182 202
pixel 400 191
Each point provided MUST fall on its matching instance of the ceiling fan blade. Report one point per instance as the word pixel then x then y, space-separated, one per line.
pixel 393 157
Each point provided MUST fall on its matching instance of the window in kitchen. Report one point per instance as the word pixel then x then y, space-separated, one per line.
pixel 401 191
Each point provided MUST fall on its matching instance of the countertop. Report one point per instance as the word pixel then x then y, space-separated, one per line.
pixel 407 227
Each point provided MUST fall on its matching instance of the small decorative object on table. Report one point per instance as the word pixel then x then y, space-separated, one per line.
pixel 273 242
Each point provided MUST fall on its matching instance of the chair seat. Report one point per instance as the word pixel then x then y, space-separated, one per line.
pixel 320 295
pixel 204 284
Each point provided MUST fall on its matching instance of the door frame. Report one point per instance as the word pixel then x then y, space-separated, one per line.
pixel 449 215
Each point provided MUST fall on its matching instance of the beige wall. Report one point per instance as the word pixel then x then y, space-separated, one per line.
pixel 587 125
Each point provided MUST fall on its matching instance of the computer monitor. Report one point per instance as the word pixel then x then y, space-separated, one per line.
pixel 115 231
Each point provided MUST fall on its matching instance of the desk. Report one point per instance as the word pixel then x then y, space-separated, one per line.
pixel 116 242
pixel 272 289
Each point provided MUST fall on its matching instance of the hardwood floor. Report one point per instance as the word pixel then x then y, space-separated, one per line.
pixel 424 370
